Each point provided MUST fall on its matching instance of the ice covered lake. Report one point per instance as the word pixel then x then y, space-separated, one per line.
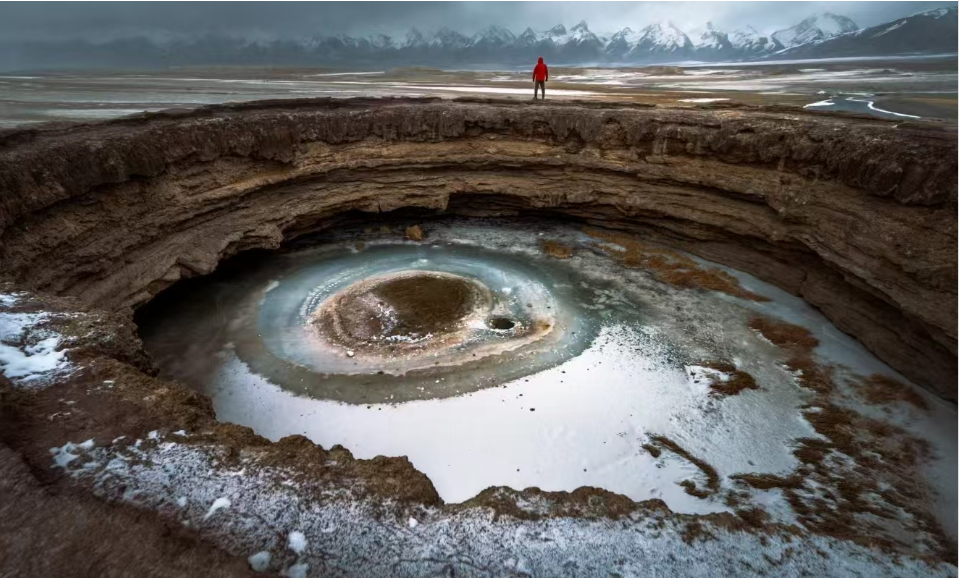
pixel 628 360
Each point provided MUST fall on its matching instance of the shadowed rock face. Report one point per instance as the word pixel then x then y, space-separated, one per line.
pixel 856 216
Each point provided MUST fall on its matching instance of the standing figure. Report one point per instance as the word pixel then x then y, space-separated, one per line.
pixel 540 76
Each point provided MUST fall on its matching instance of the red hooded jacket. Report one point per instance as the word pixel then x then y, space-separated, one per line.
pixel 540 72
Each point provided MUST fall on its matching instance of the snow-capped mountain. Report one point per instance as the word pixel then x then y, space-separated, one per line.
pixel 493 36
pixel 414 39
pixel 712 43
pixel 557 34
pixel 581 45
pixel 580 34
pixel 662 40
pixel 446 38
pixel 931 32
pixel 748 42
pixel 381 42
pixel 816 27
pixel 822 35
pixel 620 43
pixel 528 38
pixel 711 37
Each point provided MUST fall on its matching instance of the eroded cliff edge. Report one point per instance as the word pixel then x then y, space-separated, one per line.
pixel 857 216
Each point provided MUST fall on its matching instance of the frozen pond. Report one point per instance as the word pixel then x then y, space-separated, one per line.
pixel 623 363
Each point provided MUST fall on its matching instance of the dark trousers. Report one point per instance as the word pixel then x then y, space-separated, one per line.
pixel 537 86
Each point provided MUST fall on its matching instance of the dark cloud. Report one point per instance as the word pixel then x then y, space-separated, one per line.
pixel 107 20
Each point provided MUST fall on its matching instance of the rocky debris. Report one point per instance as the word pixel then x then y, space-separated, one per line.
pixel 415 233
pixel 856 216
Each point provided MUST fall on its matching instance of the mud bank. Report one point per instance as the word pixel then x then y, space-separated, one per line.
pixel 855 216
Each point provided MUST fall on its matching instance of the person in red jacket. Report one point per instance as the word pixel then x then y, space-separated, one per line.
pixel 540 76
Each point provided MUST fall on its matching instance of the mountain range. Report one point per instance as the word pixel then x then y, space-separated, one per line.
pixel 820 35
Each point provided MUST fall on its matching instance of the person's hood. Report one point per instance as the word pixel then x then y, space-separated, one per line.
pixel 540 59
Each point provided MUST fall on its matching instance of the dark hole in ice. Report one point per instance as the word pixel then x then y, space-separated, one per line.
pixel 501 323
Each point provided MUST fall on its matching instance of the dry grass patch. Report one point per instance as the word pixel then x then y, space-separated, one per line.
pixel 859 481
pixel 798 342
pixel 784 334
pixel 738 380
pixel 712 477
pixel 812 375
pixel 555 248
pixel 860 472
pixel 882 390
pixel 669 266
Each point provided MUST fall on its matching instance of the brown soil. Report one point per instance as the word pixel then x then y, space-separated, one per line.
pixel 668 266
pixel 425 304
pixel 409 305
pixel 556 249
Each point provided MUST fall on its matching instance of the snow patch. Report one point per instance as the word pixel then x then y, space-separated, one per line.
pixel 297 541
pixel 298 570
pixel 24 359
pixel 218 504
pixel 260 562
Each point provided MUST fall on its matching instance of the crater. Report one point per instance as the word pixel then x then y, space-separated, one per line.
pixel 603 321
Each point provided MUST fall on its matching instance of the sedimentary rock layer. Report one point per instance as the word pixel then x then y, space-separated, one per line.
pixel 857 216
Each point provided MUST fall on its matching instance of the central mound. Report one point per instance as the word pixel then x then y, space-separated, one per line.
pixel 402 311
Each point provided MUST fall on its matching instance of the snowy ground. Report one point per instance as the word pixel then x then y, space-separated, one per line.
pixel 296 529
pixel 26 99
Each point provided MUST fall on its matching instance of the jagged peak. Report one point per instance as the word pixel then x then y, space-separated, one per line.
pixel 581 27
pixel 495 32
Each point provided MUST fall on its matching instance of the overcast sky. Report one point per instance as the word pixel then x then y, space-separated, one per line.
pixel 107 20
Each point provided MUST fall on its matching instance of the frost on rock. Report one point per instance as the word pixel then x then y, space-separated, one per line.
pixel 62 456
pixel 297 541
pixel 260 562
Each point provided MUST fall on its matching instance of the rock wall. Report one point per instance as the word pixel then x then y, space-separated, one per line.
pixel 857 216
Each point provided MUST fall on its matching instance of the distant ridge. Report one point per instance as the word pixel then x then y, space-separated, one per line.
pixel 820 35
